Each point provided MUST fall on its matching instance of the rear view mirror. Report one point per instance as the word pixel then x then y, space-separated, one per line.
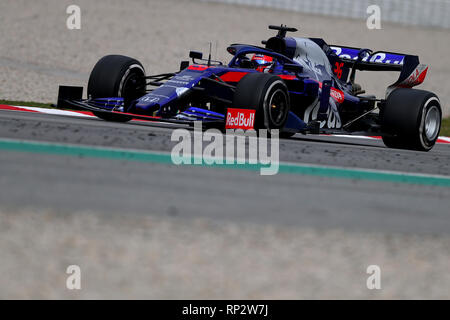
pixel 195 55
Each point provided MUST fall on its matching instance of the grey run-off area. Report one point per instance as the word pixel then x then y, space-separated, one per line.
pixel 143 230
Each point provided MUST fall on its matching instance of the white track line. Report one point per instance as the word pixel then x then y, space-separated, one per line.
pixel 446 139
pixel 56 112
pixel 351 136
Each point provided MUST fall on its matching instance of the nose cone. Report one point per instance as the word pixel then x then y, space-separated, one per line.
pixel 154 100
pixel 167 94
pixel 147 104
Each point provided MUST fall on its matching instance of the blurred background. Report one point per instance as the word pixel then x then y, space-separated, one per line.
pixel 156 251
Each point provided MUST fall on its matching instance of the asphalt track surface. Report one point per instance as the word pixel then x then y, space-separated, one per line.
pixel 220 193
pixel 154 230
pixel 67 184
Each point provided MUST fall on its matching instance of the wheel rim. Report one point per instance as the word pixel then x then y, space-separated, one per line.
pixel 432 123
pixel 277 106
pixel 131 83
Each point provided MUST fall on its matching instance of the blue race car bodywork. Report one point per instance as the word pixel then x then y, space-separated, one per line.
pixel 323 94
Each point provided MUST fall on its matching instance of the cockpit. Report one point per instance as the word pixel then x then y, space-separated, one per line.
pixel 260 59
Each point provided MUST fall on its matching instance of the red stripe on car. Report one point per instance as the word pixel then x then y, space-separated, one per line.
pixel 233 76
pixel 197 67
pixel 287 76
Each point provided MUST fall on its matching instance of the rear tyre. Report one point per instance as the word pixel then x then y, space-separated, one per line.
pixel 268 95
pixel 412 119
pixel 117 76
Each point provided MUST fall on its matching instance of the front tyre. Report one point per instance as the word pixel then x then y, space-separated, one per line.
pixel 117 76
pixel 268 95
pixel 412 119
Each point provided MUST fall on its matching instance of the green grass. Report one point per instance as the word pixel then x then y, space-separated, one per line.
pixel 25 103
pixel 445 130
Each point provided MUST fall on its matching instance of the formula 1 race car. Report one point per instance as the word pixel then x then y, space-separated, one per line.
pixel 295 85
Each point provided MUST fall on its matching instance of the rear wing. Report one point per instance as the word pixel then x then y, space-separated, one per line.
pixel 412 72
pixel 377 61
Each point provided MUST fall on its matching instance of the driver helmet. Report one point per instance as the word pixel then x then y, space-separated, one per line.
pixel 262 61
